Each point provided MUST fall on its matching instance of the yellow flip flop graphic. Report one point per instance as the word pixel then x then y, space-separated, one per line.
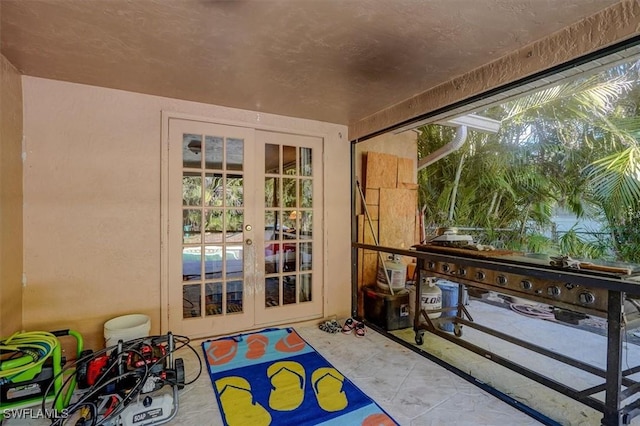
pixel 238 405
pixel 287 385
pixel 327 385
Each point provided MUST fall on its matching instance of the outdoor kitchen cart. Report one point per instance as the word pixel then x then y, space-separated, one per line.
pixel 602 291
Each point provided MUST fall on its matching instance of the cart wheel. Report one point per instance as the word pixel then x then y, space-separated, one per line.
pixel 419 339
pixel 457 330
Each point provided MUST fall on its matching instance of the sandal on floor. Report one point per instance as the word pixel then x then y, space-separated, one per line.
pixel 349 325
pixel 360 329
pixel 330 326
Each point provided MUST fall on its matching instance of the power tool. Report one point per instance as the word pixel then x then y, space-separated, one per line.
pixel 133 383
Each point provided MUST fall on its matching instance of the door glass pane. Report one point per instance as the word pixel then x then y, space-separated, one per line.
pixel 191 301
pixel 233 225
pixel 234 297
pixel 305 256
pixel 214 189
pixel 213 262
pixel 305 288
pixel 191 263
pixel 289 225
pixel 289 192
pixel 213 152
pixel 235 153
pixel 271 192
pixel 305 162
pixel 306 225
pixel 272 225
pixel 306 193
pixel 272 291
pixel 213 297
pixel 191 224
pixel 191 189
pixel 288 289
pixel 234 262
pixel 289 160
pixel 272 159
pixel 289 257
pixel 234 191
pixel 213 225
pixel 271 257
pixel 191 150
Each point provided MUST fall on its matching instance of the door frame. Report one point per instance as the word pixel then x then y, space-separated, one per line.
pixel 164 201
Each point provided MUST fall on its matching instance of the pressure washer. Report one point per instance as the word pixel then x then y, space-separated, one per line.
pixel 31 365
pixel 133 383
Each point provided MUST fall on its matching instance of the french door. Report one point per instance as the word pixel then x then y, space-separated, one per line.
pixel 243 245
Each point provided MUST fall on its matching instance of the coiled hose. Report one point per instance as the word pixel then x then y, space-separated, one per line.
pixel 28 350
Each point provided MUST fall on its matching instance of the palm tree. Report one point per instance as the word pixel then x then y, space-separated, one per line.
pixel 573 145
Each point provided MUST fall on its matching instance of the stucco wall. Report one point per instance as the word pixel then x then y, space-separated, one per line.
pixel 92 203
pixel 10 199
pixel 611 25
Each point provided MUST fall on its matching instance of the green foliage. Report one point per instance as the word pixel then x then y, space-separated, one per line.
pixel 574 146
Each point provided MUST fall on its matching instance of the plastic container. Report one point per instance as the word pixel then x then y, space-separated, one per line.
pixel 396 271
pixel 430 299
pixel 127 327
pixel 449 300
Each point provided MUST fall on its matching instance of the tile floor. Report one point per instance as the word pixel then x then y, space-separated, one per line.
pixel 416 391
pixel 412 389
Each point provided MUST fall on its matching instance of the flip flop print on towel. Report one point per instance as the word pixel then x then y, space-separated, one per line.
pixel 222 351
pixel 287 385
pixel 238 403
pixel 292 342
pixel 256 346
pixel 327 385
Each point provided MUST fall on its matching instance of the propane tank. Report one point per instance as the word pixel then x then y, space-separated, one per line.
pixel 396 271
pixel 431 297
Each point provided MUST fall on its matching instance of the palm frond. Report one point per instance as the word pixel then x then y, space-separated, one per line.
pixel 615 179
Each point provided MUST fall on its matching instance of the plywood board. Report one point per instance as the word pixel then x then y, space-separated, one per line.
pixel 406 171
pixel 370 268
pixel 372 196
pixel 382 170
pixel 369 234
pixel 373 211
pixel 405 185
pixel 397 220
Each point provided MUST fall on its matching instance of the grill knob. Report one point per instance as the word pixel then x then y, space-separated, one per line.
pixel 587 298
pixel 462 272
pixel 553 291
pixel 480 276
pixel 502 280
pixel 431 265
pixel 446 267
pixel 526 285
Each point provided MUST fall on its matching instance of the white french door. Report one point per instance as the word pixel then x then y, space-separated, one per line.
pixel 289 211
pixel 244 221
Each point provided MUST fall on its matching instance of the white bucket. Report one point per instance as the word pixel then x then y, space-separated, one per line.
pixel 127 327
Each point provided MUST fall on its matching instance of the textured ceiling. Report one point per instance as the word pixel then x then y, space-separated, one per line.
pixel 331 60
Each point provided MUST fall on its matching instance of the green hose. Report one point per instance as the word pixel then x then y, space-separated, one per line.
pixel 36 347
